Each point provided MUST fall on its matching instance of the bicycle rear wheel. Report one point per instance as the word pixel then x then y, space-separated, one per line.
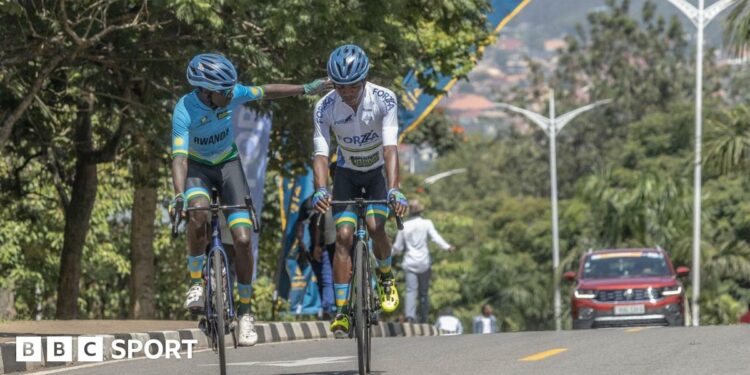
pixel 361 285
pixel 218 309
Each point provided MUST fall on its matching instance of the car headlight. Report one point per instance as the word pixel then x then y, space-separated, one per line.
pixel 585 293
pixel 585 313
pixel 671 290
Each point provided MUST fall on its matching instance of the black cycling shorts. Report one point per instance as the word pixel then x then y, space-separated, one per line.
pixel 229 179
pixel 349 184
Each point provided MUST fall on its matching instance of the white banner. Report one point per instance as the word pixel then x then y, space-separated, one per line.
pixel 251 134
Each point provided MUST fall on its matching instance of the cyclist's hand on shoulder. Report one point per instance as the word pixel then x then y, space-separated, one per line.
pixel 321 200
pixel 397 201
pixel 318 86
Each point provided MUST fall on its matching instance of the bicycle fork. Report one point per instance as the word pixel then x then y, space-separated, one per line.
pixel 219 279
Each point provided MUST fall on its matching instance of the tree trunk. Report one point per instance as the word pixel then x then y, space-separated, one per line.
pixel 77 216
pixel 145 171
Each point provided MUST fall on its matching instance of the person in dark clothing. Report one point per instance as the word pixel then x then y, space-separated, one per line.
pixel 323 243
pixel 323 240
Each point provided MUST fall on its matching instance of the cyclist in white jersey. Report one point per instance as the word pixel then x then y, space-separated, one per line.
pixel 363 117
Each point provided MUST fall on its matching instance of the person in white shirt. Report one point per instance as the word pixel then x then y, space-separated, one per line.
pixel 486 322
pixel 412 241
pixel 447 324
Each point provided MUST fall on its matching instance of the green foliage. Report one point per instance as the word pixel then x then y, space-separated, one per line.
pixel 728 141
pixel 625 180
pixel 438 132
pixel 123 65
pixel 624 171
pixel 737 33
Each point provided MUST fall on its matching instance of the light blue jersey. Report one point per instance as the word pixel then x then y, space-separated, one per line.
pixel 204 134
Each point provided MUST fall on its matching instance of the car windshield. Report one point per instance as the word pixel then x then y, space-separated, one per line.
pixel 625 265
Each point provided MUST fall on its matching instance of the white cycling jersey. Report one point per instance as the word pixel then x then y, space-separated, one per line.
pixel 360 136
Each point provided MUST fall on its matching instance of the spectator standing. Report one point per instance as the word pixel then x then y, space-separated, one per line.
pixel 485 322
pixel 447 324
pixel 412 241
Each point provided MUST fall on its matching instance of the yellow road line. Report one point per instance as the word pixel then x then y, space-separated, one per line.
pixel 542 355
pixel 632 330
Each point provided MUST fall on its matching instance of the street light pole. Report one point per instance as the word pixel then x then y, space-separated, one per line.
pixel 437 177
pixel 700 17
pixel 553 197
pixel 552 126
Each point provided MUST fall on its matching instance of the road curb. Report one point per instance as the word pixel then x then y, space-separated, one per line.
pixel 267 333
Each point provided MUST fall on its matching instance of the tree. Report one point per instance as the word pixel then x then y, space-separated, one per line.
pixel 97 80
pixel 624 175
pixel 737 34
pixel 728 141
pixel 437 132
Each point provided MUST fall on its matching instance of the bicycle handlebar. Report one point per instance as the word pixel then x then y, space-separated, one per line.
pixel 363 202
pixel 178 207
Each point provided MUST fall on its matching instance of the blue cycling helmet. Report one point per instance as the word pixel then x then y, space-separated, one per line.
pixel 212 72
pixel 348 64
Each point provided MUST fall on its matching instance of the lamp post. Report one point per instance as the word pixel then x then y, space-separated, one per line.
pixel 552 126
pixel 434 178
pixel 700 17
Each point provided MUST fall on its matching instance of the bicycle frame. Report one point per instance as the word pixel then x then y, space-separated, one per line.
pixel 360 230
pixel 217 246
pixel 359 235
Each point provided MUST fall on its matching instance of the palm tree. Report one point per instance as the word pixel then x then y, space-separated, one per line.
pixel 737 34
pixel 728 140
pixel 638 208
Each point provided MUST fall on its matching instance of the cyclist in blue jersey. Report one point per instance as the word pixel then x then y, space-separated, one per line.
pixel 205 156
pixel 363 117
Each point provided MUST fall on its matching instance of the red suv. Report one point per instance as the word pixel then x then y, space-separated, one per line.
pixel 626 287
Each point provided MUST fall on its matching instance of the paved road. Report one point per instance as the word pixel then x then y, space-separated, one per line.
pixel 704 350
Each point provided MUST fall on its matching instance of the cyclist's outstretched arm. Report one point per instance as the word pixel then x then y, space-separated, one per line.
pixel 281 90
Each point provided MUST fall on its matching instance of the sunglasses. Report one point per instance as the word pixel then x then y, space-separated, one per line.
pixel 225 93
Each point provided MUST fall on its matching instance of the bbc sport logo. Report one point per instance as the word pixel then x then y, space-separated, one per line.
pixel 92 348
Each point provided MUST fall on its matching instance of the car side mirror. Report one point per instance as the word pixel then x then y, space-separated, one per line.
pixel 683 271
pixel 570 276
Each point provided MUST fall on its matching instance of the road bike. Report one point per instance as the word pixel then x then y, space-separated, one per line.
pixel 362 303
pixel 219 315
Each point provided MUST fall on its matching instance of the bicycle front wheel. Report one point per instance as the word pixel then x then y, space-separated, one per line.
pixel 361 284
pixel 218 309
pixel 369 307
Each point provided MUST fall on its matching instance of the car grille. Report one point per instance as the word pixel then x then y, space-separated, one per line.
pixel 627 295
